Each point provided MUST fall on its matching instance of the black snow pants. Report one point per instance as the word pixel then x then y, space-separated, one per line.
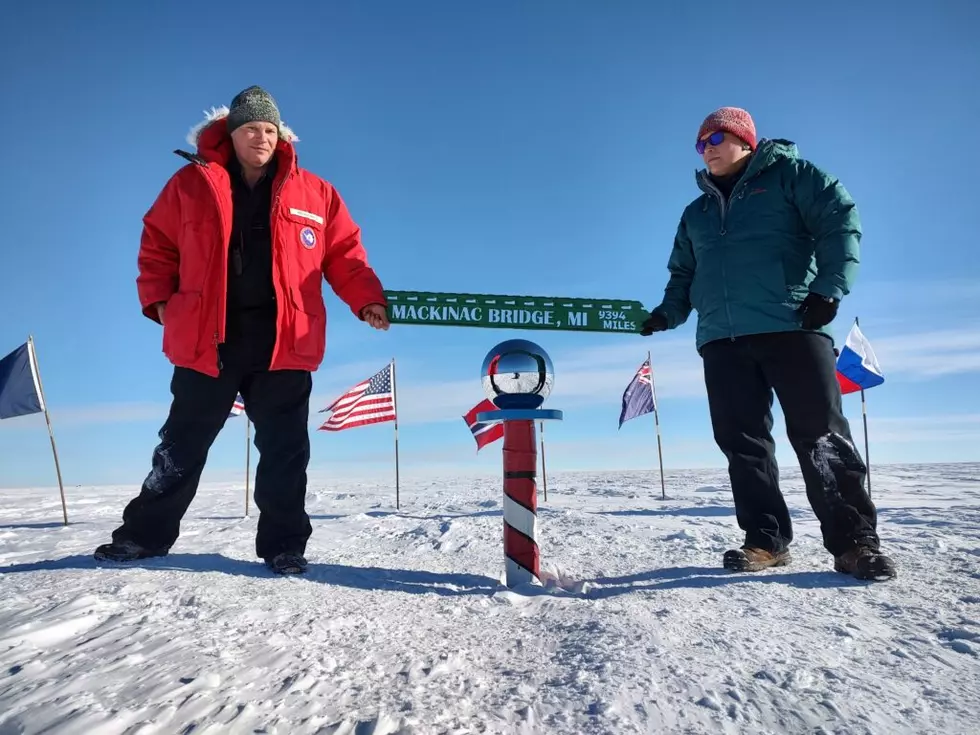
pixel 277 403
pixel 740 376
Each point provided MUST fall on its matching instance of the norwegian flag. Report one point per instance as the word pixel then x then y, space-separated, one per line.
pixel 483 433
pixel 238 407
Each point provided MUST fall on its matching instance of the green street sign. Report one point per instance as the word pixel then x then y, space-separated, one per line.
pixel 515 312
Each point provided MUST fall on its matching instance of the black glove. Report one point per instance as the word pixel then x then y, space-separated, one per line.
pixel 656 322
pixel 817 311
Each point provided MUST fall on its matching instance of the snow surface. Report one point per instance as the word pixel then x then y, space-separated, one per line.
pixel 403 625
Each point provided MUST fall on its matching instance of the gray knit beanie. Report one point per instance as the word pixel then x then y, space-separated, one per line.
pixel 252 105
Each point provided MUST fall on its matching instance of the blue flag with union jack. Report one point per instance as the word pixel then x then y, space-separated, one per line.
pixel 638 396
pixel 20 387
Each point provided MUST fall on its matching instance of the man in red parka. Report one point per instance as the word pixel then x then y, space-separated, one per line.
pixel 231 262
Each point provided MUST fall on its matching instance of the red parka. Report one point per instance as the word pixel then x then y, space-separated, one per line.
pixel 183 256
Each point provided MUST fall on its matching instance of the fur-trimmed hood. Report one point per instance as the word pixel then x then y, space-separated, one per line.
pixel 220 113
pixel 213 143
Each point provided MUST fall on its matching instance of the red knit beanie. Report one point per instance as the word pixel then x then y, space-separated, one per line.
pixel 732 120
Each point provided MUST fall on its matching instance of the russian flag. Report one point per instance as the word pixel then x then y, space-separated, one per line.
pixel 857 366
pixel 483 433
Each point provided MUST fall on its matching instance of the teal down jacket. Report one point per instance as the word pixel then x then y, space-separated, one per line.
pixel 789 228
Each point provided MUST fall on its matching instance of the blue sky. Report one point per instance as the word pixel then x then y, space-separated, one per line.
pixel 526 148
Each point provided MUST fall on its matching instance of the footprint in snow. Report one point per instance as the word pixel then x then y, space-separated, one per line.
pixel 961 640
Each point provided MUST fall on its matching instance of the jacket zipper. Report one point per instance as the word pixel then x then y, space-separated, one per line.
pixel 273 218
pixel 215 340
pixel 224 283
pixel 725 208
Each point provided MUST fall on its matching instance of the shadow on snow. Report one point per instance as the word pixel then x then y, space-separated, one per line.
pixel 363 578
pixel 701 511
pixel 451 584
pixel 709 577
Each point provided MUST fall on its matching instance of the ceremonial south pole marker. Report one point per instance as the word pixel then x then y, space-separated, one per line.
pixel 517 377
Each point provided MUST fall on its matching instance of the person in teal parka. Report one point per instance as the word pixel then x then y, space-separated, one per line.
pixel 764 256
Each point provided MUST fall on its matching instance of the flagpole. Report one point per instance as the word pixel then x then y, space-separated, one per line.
pixel 394 401
pixel 47 419
pixel 544 469
pixel 656 421
pixel 864 417
pixel 248 449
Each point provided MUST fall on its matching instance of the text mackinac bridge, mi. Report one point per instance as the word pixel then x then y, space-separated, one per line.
pixel 516 312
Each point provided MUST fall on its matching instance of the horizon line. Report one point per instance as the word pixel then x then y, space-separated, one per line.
pixel 495 475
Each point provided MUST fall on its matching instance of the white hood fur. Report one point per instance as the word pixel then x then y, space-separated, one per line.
pixel 217 113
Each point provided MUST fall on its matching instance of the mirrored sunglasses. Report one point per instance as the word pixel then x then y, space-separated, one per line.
pixel 715 139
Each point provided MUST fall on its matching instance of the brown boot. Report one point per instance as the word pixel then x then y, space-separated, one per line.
pixel 751 559
pixel 864 563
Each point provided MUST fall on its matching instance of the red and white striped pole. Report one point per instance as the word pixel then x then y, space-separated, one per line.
pixel 521 554
pixel 517 377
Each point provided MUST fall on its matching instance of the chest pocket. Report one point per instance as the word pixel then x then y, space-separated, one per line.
pixel 304 227
pixel 703 225
pixel 763 208
pixel 302 238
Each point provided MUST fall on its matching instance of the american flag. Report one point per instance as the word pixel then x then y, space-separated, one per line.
pixel 483 433
pixel 238 407
pixel 638 396
pixel 369 402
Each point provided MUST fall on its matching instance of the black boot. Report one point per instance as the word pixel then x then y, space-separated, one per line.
pixel 287 563
pixel 126 551
pixel 865 563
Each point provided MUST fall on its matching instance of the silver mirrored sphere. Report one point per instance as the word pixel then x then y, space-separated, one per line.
pixel 517 373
